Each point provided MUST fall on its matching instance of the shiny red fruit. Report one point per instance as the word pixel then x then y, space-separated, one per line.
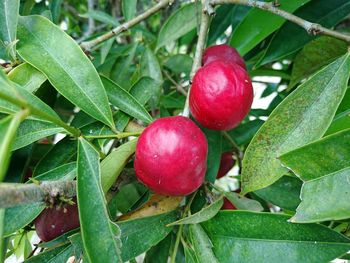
pixel 171 156
pixel 226 163
pixel 224 53
pixel 53 222
pixel 227 205
pixel 221 95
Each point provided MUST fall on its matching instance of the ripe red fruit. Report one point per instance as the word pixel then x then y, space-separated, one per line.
pixel 53 222
pixel 227 205
pixel 226 163
pixel 171 156
pixel 224 53
pixel 221 95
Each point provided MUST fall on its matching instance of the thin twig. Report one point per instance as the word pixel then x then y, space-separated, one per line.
pixel 311 28
pixel 236 149
pixel 113 136
pixel 125 26
pixel 178 87
pixel 202 36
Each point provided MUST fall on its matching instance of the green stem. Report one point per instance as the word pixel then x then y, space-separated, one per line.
pixel 236 148
pixel 113 136
pixel 24 104
pixel 177 242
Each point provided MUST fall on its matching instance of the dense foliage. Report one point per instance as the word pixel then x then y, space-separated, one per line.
pixel 75 98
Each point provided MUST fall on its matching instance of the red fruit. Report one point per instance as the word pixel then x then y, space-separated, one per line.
pixel 226 163
pixel 171 156
pixel 221 95
pixel 227 205
pixel 224 53
pixel 53 222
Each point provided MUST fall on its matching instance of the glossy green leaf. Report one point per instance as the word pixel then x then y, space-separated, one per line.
pixel 243 203
pixel 205 214
pixel 18 217
pixel 259 24
pixel 322 11
pixel 150 66
pixel 8 129
pixel 314 55
pixel 284 193
pixel 27 76
pixel 64 64
pixel 55 8
pixel 179 63
pixel 99 240
pixel 345 104
pixel 60 153
pixel 325 198
pixel 101 17
pixel 240 236
pixel 105 48
pixel 301 118
pixel 340 122
pixel 129 9
pixel 179 23
pixel 138 235
pixel 54 255
pixel 160 252
pixel 8 24
pixel 124 101
pixel 114 163
pixel 333 154
pixel 32 130
pixel 202 245
pixel 64 172
pixel 245 132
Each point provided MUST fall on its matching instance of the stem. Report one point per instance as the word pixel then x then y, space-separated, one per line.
pixel 24 104
pixel 176 245
pixel 113 136
pixel 197 61
pixel 178 87
pixel 236 149
pixel 123 27
pixel 13 194
pixel 311 28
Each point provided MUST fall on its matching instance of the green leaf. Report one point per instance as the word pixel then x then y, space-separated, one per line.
pixel 333 154
pixel 98 237
pixel 202 245
pixel 259 24
pixel 301 118
pixel 27 76
pixel 321 12
pixel 114 163
pixel 325 198
pixel 283 193
pixel 340 122
pixel 8 24
pixel 101 17
pixel 18 217
pixel 55 8
pixel 150 66
pixel 65 172
pixel 129 9
pixel 240 236
pixel 314 55
pixel 214 139
pixel 64 64
pixel 138 235
pixel 243 203
pixel 105 48
pixel 56 254
pixel 125 102
pixel 8 128
pixel 32 130
pixel 179 23
pixel 245 132
pixel 160 252
pixel 60 153
pixel 179 63
pixel 205 214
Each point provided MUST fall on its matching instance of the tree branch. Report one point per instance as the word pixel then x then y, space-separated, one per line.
pixel 207 10
pixel 311 28
pixel 123 27
pixel 18 194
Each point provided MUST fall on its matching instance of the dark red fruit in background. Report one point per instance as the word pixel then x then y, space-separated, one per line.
pixel 224 53
pixel 221 95
pixel 226 163
pixel 53 222
pixel 227 205
pixel 171 156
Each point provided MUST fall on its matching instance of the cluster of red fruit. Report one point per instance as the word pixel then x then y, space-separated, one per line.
pixel 171 154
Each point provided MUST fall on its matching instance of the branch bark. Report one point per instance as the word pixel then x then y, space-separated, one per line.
pixel 125 26
pixel 311 28
pixel 12 194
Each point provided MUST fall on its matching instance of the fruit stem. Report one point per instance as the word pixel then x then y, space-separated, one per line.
pixel 113 136
pixel 236 149
pixel 197 61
